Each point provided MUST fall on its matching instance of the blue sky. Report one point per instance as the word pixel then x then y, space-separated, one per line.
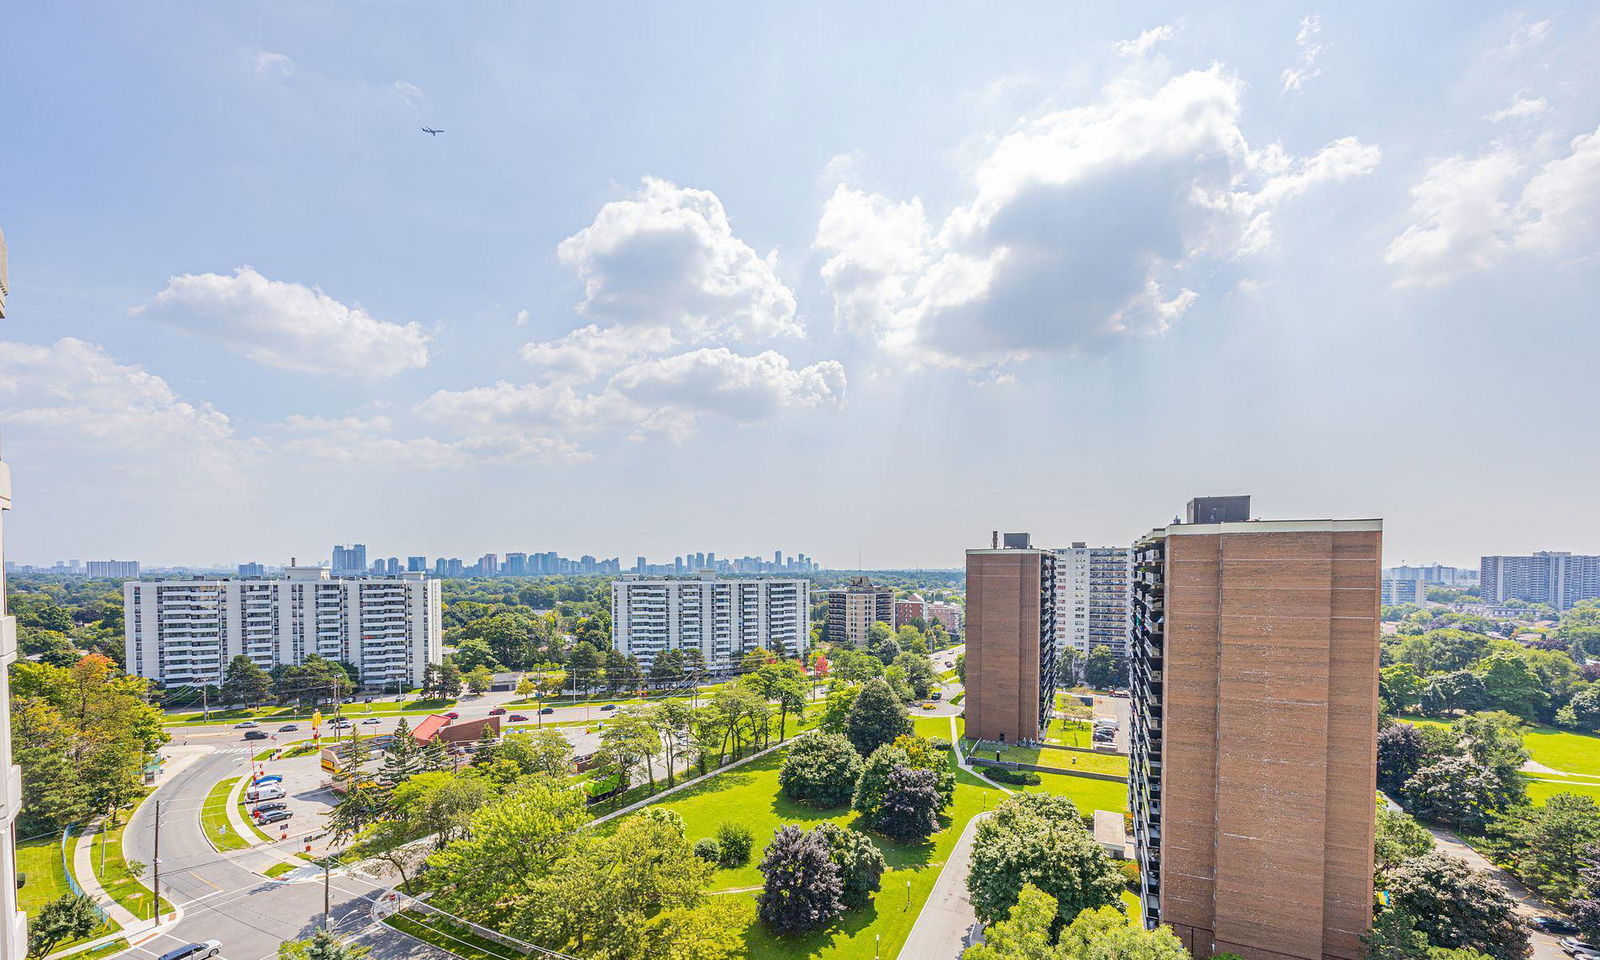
pixel 834 278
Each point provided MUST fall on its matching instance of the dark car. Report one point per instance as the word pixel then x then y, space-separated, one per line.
pixel 548 710
pixel 209 948
pixel 289 728
pixel 516 718
pixel 1555 925
pixel 609 706
pixel 267 808
pixel 453 715
pixel 256 735
pixel 275 816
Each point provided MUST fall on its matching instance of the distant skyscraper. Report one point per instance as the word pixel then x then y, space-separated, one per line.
pixel 516 565
pixel 1435 573
pixel 1559 579
pixel 1256 648
pixel 1396 591
pixel 113 569
pixel 350 561
pixel 252 570
pixel 1094 594
pixel 1011 632
pixel 416 564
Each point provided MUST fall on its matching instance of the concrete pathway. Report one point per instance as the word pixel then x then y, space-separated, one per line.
pixel 83 867
pixel 942 928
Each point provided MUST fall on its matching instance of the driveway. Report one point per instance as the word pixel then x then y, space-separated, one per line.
pixel 1545 946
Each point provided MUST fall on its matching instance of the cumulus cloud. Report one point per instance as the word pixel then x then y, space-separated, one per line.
pixel 1521 108
pixel 288 326
pixel 1146 41
pixel 1470 213
pixel 668 257
pixel 588 351
pixel 268 62
pixel 1305 67
pixel 73 394
pixel 1078 228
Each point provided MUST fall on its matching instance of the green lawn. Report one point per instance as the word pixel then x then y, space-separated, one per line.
pixel 1543 788
pixel 104 950
pixel 286 714
pixel 1565 751
pixel 40 859
pixel 1067 760
pixel 279 869
pixel 114 876
pixel 448 937
pixel 1089 795
pixel 214 818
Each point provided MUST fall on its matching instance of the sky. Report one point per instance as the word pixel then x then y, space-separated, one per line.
pixel 851 279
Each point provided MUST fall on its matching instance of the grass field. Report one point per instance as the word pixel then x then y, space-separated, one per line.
pixel 40 859
pixel 384 708
pixel 214 819
pixel 114 876
pixel 1067 760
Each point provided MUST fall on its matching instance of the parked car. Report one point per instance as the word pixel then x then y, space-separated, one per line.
pixel 516 718
pixel 267 808
pixel 275 816
pixel 289 728
pixel 246 725
pixel 1555 925
pixel 269 792
pixel 936 695
pixel 609 706
pixel 547 710
pixel 1579 949
pixel 209 948
pixel 269 778
pixel 497 711
pixel 453 715
pixel 256 734
pixel 370 721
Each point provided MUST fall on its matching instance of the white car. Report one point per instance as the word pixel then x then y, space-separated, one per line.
pixel 1579 950
pixel 208 948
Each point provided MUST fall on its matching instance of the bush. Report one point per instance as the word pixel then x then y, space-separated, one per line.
pixel 1021 778
pixel 876 718
pixel 707 849
pixel 820 769
pixel 910 808
pixel 734 841
pixel 803 889
pixel 859 861
pixel 941 744
pixel 1130 876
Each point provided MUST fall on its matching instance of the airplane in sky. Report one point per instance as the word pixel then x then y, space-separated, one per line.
pixel 430 130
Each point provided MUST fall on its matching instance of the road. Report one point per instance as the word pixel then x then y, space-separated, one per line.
pixel 1545 946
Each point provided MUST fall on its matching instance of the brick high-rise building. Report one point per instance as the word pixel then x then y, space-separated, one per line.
pixel 853 610
pixel 1254 731
pixel 1011 649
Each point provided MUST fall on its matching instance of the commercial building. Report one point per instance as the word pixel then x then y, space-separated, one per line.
pixel 723 619
pixel 1559 579
pixel 1011 640
pixel 1395 591
pixel 1094 597
pixel 112 569
pixel 13 922
pixel 1435 574
pixel 185 632
pixel 854 609
pixel 1254 731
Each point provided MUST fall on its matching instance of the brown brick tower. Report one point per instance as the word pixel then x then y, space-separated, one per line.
pixel 1255 713
pixel 1011 658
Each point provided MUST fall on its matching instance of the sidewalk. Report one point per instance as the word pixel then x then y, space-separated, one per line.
pixel 83 869
pixel 947 918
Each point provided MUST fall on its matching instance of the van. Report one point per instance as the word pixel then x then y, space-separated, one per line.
pixel 269 792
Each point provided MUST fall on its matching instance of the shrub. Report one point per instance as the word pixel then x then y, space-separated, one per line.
pixel 820 769
pixel 1022 778
pixel 734 841
pixel 910 808
pixel 1130 875
pixel 876 717
pixel 859 861
pixel 803 889
pixel 707 849
pixel 941 744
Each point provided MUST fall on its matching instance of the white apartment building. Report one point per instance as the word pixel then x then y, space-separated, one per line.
pixel 13 922
pixel 185 632
pixel 722 618
pixel 1094 598
pixel 112 569
pixel 1558 578
pixel 1395 591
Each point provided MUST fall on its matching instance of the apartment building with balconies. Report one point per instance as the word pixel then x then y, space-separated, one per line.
pixel 185 632
pixel 722 618
pixel 855 607
pixel 1094 597
pixel 1011 641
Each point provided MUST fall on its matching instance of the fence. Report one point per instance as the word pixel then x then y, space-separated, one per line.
pixel 72 881
pixel 393 902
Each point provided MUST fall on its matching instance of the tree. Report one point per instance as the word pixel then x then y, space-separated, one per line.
pixel 1399 837
pixel 1399 688
pixel 1512 685
pixel 1447 692
pixel 803 889
pixel 1395 936
pixel 1454 906
pixel 401 759
pixel 790 694
pixel 583 665
pixel 919 672
pixel 670 719
pixel 917 753
pixel 472 653
pixel 859 860
pixel 820 769
pixel 627 742
pixel 540 750
pixel 478 680
pixel 1040 839
pixel 1106 933
pixel 667 668
pixel 836 707
pixel 876 717
pixel 910 808
pixel 1456 791
pixel 714 930
pixel 321 945
pixel 1100 669
pixel 733 844
pixel 1401 753
pixel 441 681
pixel 245 682
pixel 1544 844
pixel 68 917
pixel 1585 908
pixel 1582 712
pixel 1024 932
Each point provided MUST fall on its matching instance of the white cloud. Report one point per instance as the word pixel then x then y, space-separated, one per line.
pixel 1146 41
pixel 589 351
pixel 1470 213
pixel 668 257
pixel 74 395
pixel 266 61
pixel 1527 35
pixel 1080 220
pixel 409 92
pixel 1521 108
pixel 369 442
pixel 522 318
pixel 287 325
pixel 1305 67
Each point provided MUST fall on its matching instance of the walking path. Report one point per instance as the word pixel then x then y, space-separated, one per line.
pixel 1529 904
pixel 83 869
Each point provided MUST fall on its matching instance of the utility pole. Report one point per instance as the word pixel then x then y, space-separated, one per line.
pixel 155 907
pixel 327 897
pixel 205 704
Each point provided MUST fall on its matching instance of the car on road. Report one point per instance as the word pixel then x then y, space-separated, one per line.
pixel 497 711
pixel 340 723
pixel 256 734
pixel 275 816
pixel 1555 925
pixel 289 728
pixel 208 948
pixel 369 721
pixel 1579 949
pixel 547 710
pixel 453 715
pixel 516 718
pixel 609 706
pixel 246 725
pixel 266 808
